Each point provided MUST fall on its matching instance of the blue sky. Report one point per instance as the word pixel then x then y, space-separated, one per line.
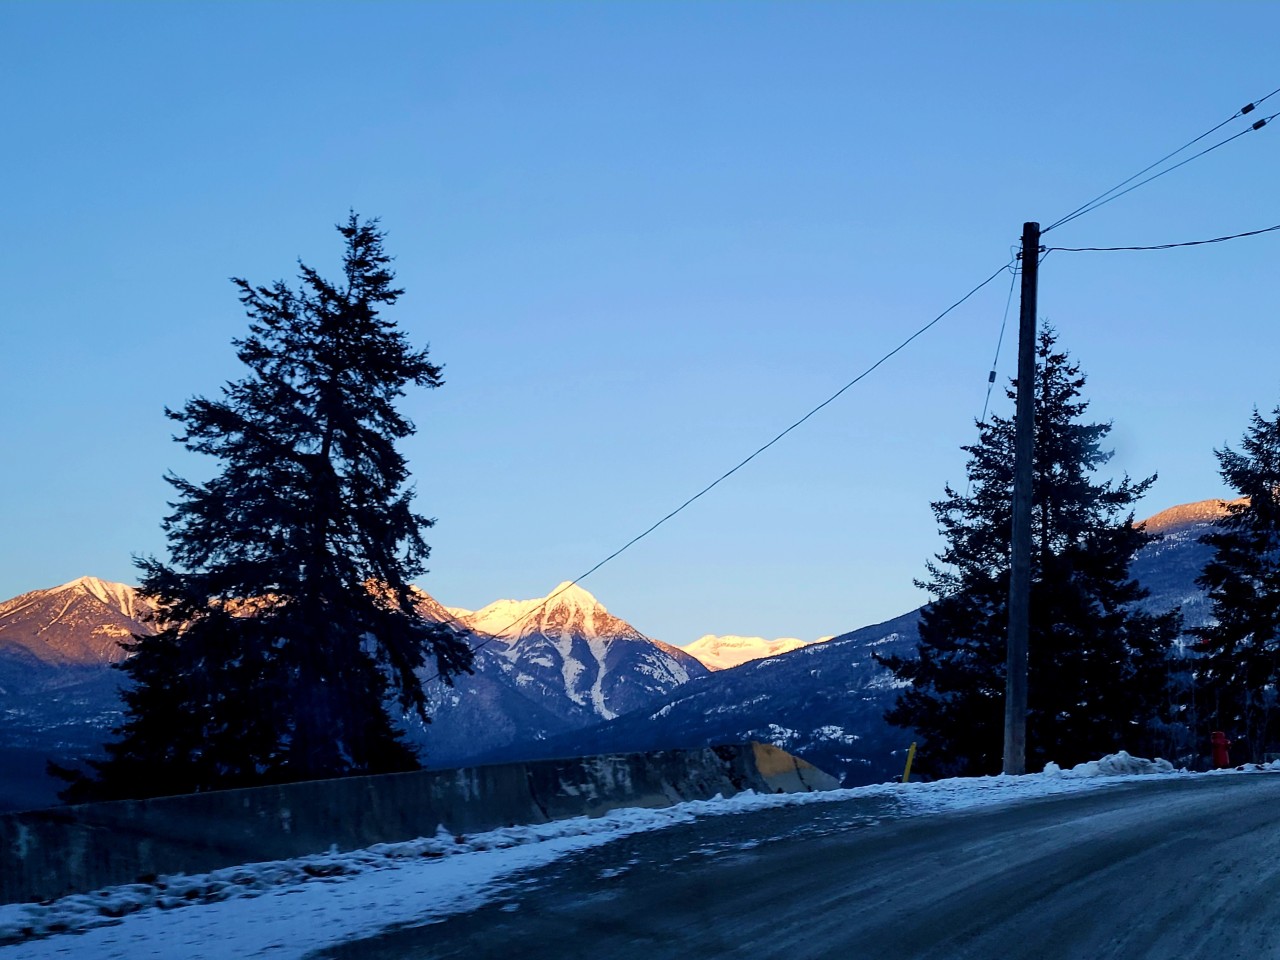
pixel 642 238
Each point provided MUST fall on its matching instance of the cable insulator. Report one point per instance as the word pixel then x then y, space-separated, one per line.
pixel 1247 108
pixel 991 378
pixel 1260 124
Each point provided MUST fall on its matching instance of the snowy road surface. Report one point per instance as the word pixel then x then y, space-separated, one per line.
pixel 1172 867
pixel 1116 858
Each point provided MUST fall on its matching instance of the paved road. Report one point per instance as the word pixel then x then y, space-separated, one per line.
pixel 1174 869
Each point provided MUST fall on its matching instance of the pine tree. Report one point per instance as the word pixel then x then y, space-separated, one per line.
pixel 288 617
pixel 1096 663
pixel 1237 659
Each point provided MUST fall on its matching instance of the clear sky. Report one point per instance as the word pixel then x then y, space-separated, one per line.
pixel 642 238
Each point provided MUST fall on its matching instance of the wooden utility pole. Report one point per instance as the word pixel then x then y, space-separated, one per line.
pixel 1015 700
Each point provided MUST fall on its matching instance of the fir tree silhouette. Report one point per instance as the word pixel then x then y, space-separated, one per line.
pixel 288 626
pixel 1097 664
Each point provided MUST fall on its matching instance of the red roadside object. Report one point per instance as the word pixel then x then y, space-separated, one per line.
pixel 1221 754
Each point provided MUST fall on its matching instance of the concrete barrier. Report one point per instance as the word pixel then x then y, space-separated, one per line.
pixel 46 854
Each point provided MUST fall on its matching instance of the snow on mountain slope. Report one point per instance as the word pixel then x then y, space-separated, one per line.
pixel 567 640
pixel 1169 566
pixel 496 619
pixel 489 709
pixel 1187 515
pixel 721 653
pixel 58 695
pixel 78 623
pixel 543 687
pixel 567 608
pixel 430 608
pixel 826 702
pixel 570 665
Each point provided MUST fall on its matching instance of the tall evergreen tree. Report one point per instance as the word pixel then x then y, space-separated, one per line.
pixel 1238 654
pixel 287 614
pixel 1096 663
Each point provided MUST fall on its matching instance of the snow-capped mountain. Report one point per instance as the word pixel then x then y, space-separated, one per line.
pixel 721 653
pixel 825 702
pixel 487 711
pixel 429 607
pixel 1169 567
pixel 568 641
pixel 58 695
pixel 567 608
pixel 1186 516
pixel 543 667
pixel 78 623
pixel 568 678
pixel 571 664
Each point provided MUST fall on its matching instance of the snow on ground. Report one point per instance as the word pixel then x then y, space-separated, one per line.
pixel 286 909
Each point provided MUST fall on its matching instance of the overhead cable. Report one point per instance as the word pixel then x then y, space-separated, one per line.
pixel 736 467
pixel 1167 246
pixel 1109 195
pixel 995 362
pixel 1014 273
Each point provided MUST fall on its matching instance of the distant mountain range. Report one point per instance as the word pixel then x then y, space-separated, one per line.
pixel 567 664
pixel 1169 567
pixel 722 653
pixel 824 702
pixel 558 676
pixel 544 667
pixel 77 624
pixel 58 697
pixel 568 640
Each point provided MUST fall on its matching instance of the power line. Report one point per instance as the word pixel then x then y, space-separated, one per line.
pixel 995 362
pixel 1088 207
pixel 1109 195
pixel 1045 251
pixel 734 469
pixel 1249 106
pixel 1155 176
pixel 1168 246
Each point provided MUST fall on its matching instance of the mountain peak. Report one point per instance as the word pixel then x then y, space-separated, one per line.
pixel 569 594
pixel 120 597
pixel 567 608
pixel 723 652
pixel 78 622
pixel 1188 514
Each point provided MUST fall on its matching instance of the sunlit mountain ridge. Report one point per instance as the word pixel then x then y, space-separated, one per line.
pixel 568 677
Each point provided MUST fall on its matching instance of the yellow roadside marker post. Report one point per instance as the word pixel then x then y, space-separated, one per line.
pixel 911 755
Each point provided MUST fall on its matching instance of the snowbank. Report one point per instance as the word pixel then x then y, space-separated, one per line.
pixel 1112 765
